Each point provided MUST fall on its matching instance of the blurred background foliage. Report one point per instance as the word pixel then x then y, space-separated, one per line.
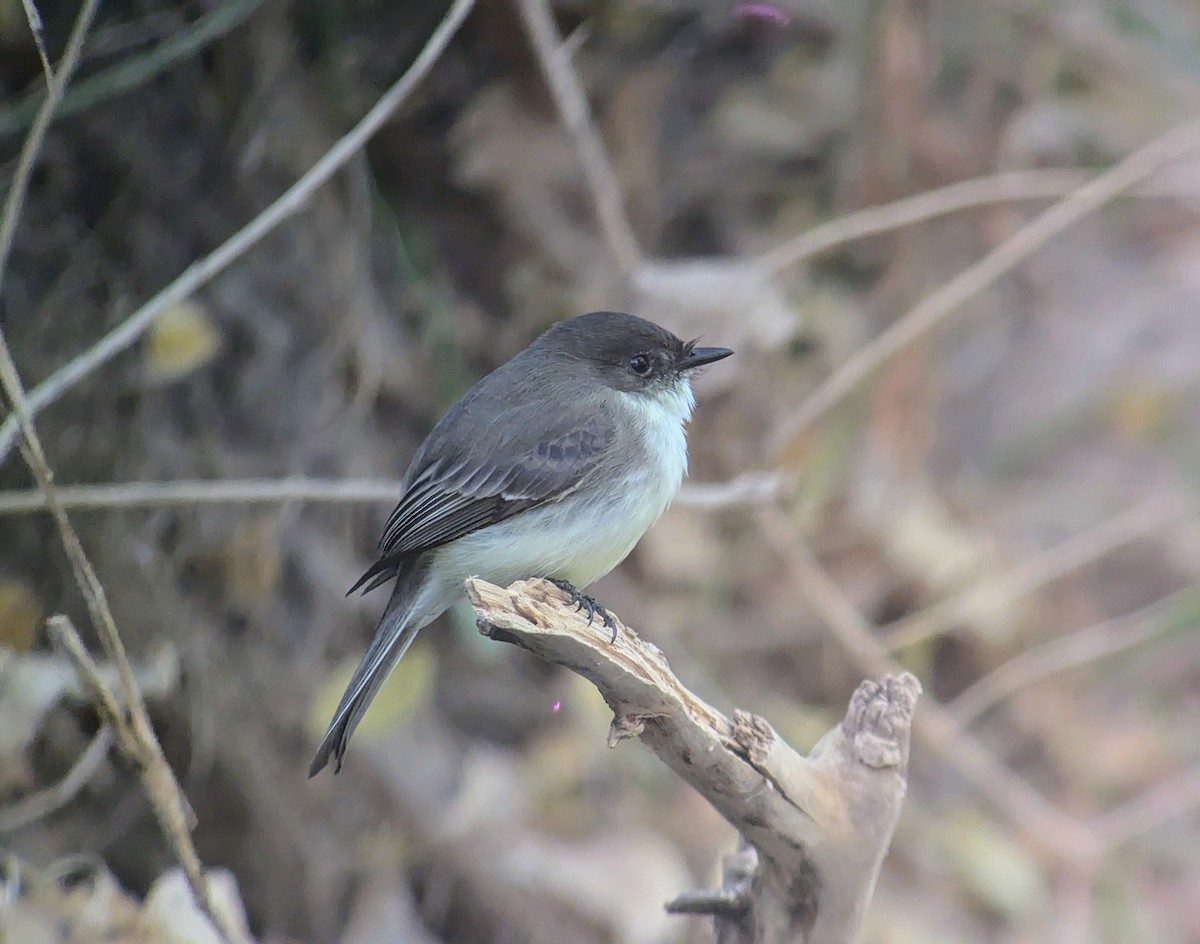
pixel 1009 501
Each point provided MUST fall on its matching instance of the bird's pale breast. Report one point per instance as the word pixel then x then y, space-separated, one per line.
pixel 584 535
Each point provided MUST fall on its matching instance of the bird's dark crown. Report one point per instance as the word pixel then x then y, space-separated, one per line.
pixel 627 352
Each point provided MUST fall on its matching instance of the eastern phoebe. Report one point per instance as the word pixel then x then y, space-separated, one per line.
pixel 553 465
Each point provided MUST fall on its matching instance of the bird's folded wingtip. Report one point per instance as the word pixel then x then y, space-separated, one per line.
pixel 333 746
pixel 377 574
pixel 320 759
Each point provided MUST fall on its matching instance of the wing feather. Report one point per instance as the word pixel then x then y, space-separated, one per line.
pixel 449 498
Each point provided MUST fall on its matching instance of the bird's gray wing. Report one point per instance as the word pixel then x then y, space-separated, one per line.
pixel 451 497
pixel 508 445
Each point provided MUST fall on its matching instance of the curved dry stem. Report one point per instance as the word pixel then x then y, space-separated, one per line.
pixel 124 711
pixel 203 270
pixel 1020 186
pixel 56 87
pixel 946 300
pixel 573 110
pixel 43 803
pixel 1069 652
pixel 1143 519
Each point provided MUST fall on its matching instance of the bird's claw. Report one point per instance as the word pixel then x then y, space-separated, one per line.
pixel 584 602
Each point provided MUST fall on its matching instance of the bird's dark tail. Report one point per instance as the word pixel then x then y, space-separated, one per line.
pixel 397 629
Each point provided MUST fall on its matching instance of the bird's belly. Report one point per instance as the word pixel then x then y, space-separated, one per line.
pixel 573 539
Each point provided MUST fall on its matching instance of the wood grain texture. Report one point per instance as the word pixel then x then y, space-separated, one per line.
pixel 815 828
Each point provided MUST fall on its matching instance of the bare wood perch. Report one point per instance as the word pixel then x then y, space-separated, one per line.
pixel 815 828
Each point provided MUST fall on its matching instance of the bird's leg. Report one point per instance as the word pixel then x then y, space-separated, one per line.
pixel 583 602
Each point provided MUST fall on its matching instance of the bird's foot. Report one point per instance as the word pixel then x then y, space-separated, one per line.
pixel 583 602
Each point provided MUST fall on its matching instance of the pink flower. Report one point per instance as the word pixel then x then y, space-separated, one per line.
pixel 763 11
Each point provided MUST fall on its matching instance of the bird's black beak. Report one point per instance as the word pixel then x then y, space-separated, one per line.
pixel 699 356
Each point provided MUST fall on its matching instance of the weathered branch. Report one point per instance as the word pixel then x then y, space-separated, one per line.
pixel 817 826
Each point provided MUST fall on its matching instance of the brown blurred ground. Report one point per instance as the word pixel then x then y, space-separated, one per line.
pixel 470 808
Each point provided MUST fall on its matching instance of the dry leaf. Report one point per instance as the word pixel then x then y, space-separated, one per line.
pixel 32 683
pixel 20 615
pixel 183 339
pixel 251 559
pixel 1141 413
pixel 170 913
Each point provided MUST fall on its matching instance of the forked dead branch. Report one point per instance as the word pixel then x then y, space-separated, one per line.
pixel 815 828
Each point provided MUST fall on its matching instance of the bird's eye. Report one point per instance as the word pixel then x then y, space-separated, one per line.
pixel 640 365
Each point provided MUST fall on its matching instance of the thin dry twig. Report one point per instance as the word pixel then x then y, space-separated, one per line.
pixel 1070 652
pixel 971 281
pixel 1165 801
pixel 1145 518
pixel 1081 844
pixel 38 29
pixel 198 492
pixel 201 272
pixel 131 723
pixel 1043 822
pixel 126 715
pixel 749 488
pixel 10 380
pixel 979 193
pixel 37 806
pixel 131 71
pixel 573 109
pixel 56 85
pixel 753 488
pixel 132 728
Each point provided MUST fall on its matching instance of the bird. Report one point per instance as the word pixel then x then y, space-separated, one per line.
pixel 553 465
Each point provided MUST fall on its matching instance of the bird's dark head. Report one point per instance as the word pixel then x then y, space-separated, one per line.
pixel 629 353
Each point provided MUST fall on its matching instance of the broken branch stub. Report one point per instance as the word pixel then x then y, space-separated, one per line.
pixel 815 828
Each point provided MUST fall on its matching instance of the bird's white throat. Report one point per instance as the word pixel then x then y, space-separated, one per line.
pixel 659 417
